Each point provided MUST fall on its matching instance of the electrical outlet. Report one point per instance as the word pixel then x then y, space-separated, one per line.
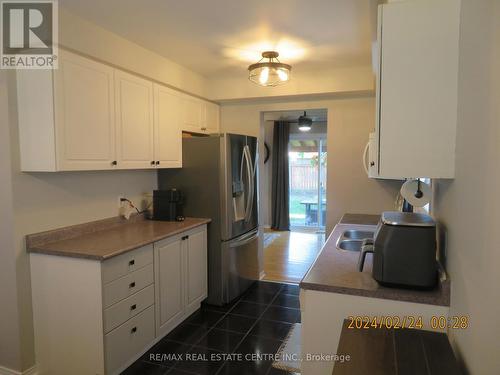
pixel 120 202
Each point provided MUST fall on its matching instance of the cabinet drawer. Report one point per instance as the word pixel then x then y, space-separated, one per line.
pixel 129 339
pixel 127 285
pixel 121 265
pixel 128 308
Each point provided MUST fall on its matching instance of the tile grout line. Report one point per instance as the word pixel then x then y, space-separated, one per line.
pixel 251 327
pixel 209 330
pixel 225 314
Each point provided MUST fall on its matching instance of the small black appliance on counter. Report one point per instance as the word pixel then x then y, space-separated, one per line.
pixel 404 250
pixel 167 205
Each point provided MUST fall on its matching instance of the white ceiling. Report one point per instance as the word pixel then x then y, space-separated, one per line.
pixel 215 37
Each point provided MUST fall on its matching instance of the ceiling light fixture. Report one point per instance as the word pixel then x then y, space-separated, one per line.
pixel 271 72
pixel 304 123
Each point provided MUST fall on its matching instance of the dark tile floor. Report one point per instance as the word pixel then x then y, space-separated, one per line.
pixel 212 339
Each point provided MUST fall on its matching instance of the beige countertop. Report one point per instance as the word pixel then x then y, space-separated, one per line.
pixel 336 271
pixel 107 238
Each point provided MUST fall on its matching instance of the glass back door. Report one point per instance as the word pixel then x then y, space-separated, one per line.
pixel 307 163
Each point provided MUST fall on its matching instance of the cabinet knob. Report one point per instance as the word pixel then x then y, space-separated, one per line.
pixel 203 129
pixel 133 307
pixel 132 285
pixel 114 162
pixel 372 163
pixel 133 330
pixel 152 162
pixel 132 262
pixel 184 238
pixel 157 162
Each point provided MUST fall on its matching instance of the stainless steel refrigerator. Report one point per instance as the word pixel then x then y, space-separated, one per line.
pixel 219 180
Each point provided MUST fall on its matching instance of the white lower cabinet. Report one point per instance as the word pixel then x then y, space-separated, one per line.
pixel 196 269
pixel 129 339
pixel 95 317
pixel 169 291
pixel 180 277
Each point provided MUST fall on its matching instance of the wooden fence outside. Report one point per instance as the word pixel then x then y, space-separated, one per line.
pixel 304 177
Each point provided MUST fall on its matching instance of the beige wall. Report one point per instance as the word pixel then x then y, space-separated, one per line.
pixel 469 205
pixel 349 122
pixel 80 35
pixel 344 80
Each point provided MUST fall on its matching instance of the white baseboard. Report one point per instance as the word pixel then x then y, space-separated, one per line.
pixel 8 371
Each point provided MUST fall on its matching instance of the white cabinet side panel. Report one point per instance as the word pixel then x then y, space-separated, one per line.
pixel 67 312
pixel 35 104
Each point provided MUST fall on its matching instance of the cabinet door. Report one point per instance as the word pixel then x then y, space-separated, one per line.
pixel 134 121
pixel 167 128
pixel 196 276
pixel 211 118
pixel 85 114
pixel 191 114
pixel 417 88
pixel 169 295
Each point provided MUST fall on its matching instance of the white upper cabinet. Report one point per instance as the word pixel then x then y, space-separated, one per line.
pixel 134 121
pixel 200 116
pixel 167 127
pixel 67 116
pixel 416 94
pixel 210 117
pixel 87 115
pixel 191 114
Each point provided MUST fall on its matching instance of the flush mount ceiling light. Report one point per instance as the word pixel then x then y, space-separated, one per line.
pixel 304 123
pixel 271 72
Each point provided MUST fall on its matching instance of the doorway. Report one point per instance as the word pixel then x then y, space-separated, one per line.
pixel 307 176
pixel 289 254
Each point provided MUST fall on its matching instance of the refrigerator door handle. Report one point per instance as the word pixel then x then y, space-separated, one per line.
pixel 253 172
pixel 252 236
pixel 249 205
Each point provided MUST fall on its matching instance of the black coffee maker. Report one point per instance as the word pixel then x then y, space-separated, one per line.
pixel 167 205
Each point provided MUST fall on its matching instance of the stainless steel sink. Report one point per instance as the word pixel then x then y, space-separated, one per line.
pixel 352 239
pixel 354 234
pixel 350 245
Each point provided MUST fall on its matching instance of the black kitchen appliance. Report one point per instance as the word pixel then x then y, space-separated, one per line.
pixel 167 205
pixel 404 250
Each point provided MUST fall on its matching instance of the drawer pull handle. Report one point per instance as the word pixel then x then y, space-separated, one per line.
pixel 185 238
pixel 131 263
pixel 133 307
pixel 132 285
pixel 133 330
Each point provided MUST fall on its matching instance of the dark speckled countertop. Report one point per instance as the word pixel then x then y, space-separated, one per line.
pixel 336 271
pixel 104 239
